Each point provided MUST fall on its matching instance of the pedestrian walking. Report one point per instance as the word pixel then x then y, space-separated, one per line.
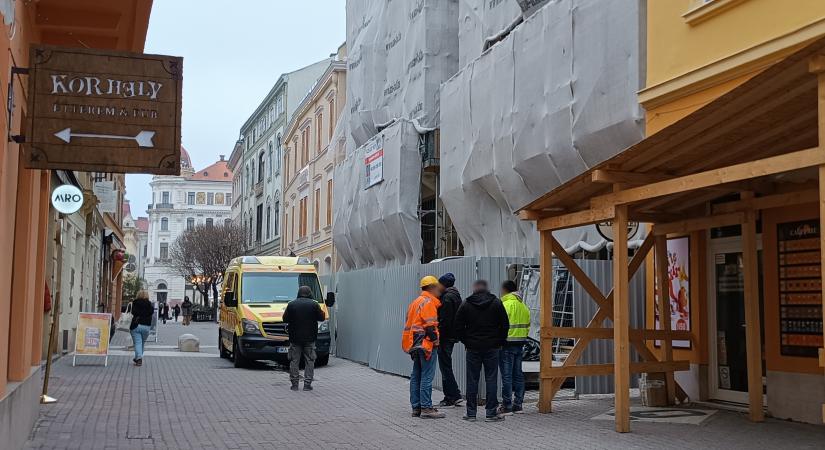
pixel 165 312
pixel 142 312
pixel 186 310
pixel 450 301
pixel 420 340
pixel 302 316
pixel 481 324
pixel 176 312
pixel 512 376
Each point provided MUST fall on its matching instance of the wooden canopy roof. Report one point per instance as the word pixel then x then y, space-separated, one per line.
pixel 772 114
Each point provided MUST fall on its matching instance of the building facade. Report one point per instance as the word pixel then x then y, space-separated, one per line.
pixel 308 161
pixel 202 197
pixel 702 51
pixel 37 264
pixel 136 239
pixel 256 161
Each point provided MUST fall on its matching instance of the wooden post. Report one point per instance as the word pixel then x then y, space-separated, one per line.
pixel 660 246
pixel 753 324
pixel 546 262
pixel 621 321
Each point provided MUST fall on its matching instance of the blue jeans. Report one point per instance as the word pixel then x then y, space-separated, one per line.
pixel 139 336
pixel 445 364
pixel 512 378
pixel 421 379
pixel 475 360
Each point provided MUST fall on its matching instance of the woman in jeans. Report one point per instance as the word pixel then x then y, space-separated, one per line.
pixel 142 312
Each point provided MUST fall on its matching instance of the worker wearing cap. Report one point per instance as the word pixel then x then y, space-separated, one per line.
pixel 419 340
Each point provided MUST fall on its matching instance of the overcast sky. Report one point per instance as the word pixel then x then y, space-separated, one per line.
pixel 233 52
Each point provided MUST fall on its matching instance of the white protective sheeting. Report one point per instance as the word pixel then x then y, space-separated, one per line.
pixel 479 20
pixel 400 51
pixel 380 225
pixel 554 98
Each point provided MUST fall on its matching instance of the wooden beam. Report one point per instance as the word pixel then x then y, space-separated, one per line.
pixel 575 219
pixel 607 333
pixel 737 172
pixel 621 321
pixel 536 214
pixel 768 201
pixel 752 322
pixel 620 176
pixel 700 223
pixel 586 370
pixel 663 301
pixel 546 392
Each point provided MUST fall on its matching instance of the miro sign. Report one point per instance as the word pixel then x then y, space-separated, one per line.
pixel 103 111
pixel 67 199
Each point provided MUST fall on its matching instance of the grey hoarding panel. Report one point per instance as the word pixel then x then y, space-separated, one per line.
pixel 509 136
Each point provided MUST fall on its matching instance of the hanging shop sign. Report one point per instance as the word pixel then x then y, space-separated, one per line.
pixel 67 199
pixel 103 111
pixel 106 195
pixel 374 161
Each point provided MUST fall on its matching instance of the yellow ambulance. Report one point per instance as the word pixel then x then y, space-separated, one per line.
pixel 255 292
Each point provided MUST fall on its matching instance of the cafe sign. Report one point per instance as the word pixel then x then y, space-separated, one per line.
pixel 103 111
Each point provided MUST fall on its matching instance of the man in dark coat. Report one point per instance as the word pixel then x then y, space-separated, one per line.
pixel 302 316
pixel 450 301
pixel 482 325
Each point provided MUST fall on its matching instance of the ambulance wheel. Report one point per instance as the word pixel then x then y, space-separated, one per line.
pixel 237 357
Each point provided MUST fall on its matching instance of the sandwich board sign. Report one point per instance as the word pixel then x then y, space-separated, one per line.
pixel 92 336
pixel 103 111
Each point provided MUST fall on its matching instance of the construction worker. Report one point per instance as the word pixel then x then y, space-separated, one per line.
pixel 450 301
pixel 481 324
pixel 420 340
pixel 512 377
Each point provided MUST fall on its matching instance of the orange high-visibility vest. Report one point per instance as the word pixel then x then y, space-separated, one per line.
pixel 422 316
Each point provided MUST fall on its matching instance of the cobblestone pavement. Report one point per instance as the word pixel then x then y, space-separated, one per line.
pixel 180 402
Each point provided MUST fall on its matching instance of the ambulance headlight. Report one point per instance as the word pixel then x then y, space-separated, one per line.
pixel 251 327
pixel 323 327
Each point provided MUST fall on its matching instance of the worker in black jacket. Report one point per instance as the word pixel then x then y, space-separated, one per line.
pixel 482 325
pixel 302 316
pixel 450 301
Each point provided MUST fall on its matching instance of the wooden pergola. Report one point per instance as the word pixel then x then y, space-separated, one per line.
pixel 758 146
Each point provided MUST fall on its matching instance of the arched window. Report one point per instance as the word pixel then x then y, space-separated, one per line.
pixel 278 143
pixel 247 176
pixel 268 222
pixel 271 161
pixel 161 286
pixel 190 223
pixel 261 162
pixel 164 224
pixel 276 217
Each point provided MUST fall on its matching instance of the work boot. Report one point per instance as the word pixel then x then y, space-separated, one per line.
pixel 431 413
pixel 416 412
pixel 294 386
pixel 496 418
pixel 468 418
pixel 504 411
pixel 518 409
pixel 307 387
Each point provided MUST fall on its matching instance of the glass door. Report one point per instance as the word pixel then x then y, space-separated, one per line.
pixel 729 368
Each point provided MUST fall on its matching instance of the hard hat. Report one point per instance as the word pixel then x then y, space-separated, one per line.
pixel 429 280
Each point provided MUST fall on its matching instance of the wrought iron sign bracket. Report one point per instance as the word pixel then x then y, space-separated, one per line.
pixel 19 71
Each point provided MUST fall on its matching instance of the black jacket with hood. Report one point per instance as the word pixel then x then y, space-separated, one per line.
pixel 481 322
pixel 450 302
pixel 302 316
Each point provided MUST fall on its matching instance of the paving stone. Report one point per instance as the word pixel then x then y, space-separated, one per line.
pixel 178 402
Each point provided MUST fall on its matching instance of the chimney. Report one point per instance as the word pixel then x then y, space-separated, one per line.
pixel 222 157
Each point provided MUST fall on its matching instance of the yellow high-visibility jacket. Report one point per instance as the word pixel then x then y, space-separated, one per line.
pixel 519 316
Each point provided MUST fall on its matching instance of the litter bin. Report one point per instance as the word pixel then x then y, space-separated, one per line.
pixel 652 389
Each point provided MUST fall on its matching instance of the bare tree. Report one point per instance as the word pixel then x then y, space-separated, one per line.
pixel 201 255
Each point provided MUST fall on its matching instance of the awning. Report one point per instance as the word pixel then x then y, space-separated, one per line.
pixel 771 115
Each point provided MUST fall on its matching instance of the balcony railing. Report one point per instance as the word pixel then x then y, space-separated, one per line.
pixel 164 206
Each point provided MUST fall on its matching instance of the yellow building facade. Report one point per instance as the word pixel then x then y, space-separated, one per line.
pixel 309 159
pixel 697 51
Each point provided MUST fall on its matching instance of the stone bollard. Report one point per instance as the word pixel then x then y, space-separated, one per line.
pixel 189 343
